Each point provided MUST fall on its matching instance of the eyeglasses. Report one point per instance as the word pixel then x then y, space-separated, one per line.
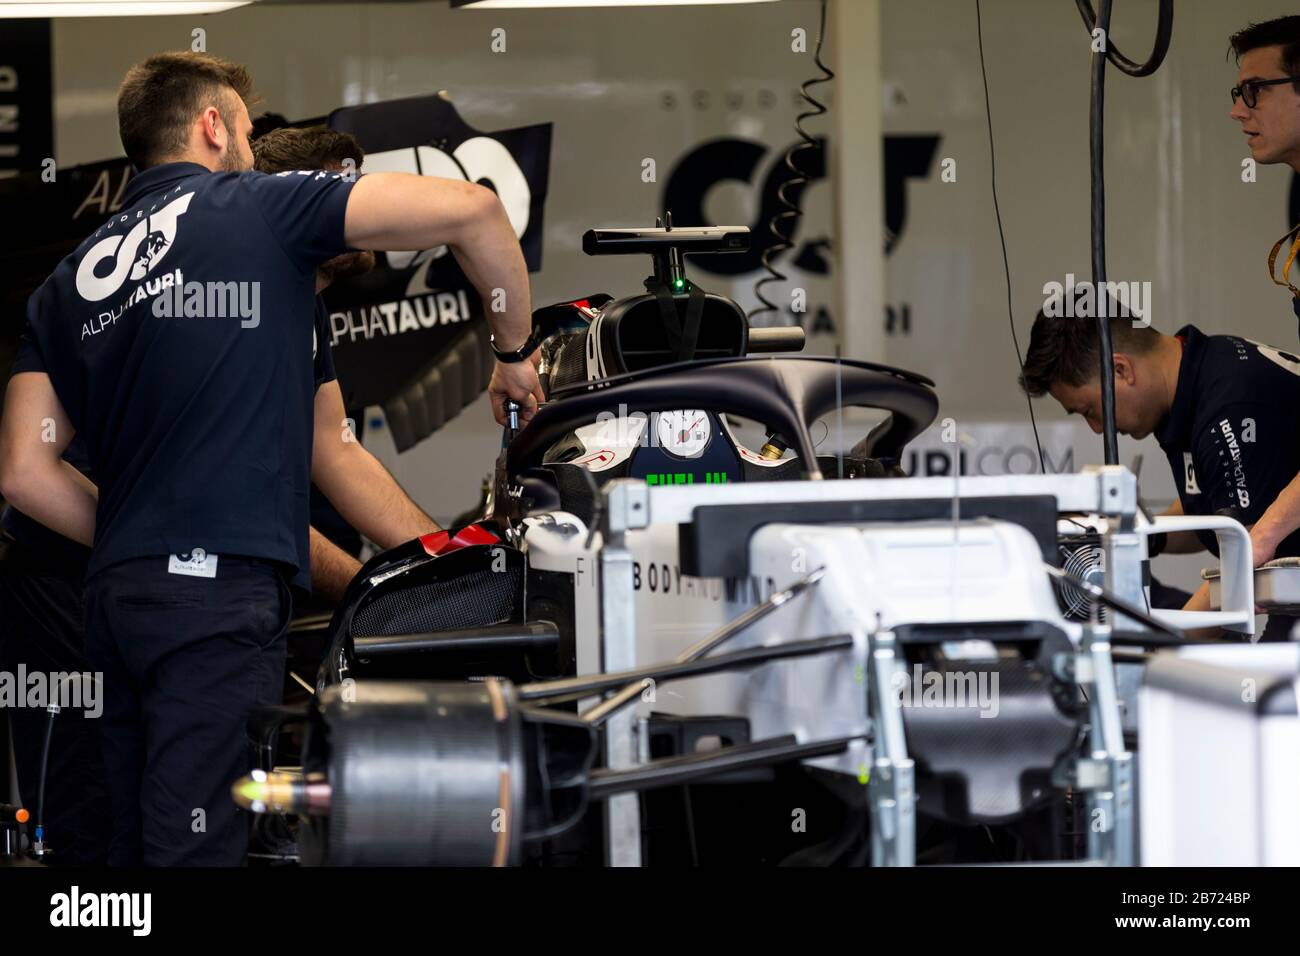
pixel 1249 91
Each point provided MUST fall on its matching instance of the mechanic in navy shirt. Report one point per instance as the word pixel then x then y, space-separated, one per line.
pixel 42 574
pixel 42 629
pixel 176 343
pixel 1225 410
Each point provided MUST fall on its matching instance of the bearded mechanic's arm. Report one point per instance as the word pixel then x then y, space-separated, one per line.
pixel 399 211
pixel 395 211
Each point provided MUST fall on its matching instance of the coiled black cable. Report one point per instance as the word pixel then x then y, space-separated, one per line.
pixel 792 212
pixel 1164 33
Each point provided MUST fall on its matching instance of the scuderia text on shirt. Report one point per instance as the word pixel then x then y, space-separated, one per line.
pixel 74 909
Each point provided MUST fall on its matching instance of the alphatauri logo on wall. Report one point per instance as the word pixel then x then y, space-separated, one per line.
pixel 134 256
pixel 388 325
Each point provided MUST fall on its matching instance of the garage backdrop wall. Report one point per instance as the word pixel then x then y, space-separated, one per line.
pixel 718 83
pixel 708 89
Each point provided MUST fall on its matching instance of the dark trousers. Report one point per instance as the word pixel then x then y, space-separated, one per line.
pixel 41 630
pixel 185 661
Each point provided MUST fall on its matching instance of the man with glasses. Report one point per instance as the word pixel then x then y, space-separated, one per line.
pixel 1266 102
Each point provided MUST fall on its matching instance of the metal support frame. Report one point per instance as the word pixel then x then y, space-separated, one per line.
pixel 1110 491
pixel 1122 554
pixel 625 508
pixel 1106 775
pixel 892 786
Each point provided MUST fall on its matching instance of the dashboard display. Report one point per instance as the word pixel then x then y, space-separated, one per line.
pixel 686 447
pixel 684 433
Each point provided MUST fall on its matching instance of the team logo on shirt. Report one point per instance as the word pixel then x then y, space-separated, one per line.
pixel 1189 475
pixel 1234 468
pixel 134 256
pixel 1279 358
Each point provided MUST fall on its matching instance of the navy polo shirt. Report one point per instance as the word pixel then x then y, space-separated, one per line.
pixel 179 339
pixel 56 551
pixel 1232 436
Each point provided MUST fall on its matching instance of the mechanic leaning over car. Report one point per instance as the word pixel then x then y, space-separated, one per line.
pixel 1225 411
pixel 176 342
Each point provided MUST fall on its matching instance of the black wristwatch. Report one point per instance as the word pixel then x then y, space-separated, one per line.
pixel 520 354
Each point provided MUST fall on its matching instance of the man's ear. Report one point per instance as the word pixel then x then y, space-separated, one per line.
pixel 1124 371
pixel 213 126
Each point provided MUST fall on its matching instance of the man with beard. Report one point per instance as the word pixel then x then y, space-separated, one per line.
pixel 41 572
pixel 198 428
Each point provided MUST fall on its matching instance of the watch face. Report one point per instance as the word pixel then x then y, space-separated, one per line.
pixel 684 433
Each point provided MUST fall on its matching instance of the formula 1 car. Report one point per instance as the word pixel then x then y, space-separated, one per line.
pixel 660 644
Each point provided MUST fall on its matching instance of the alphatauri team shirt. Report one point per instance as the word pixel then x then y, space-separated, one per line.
pixel 1232 436
pixel 180 339
pixel 55 551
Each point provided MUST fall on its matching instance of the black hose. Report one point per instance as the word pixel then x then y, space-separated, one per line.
pixel 792 212
pixel 1168 634
pixel 576 688
pixel 1096 140
pixel 1164 33
pixel 1096 129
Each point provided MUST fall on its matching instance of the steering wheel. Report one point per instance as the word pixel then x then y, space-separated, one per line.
pixel 784 394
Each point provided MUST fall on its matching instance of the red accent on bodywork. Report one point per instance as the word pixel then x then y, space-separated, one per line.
pixel 441 542
pixel 469 535
pixel 433 542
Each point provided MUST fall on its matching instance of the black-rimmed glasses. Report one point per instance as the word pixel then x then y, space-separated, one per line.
pixel 1249 91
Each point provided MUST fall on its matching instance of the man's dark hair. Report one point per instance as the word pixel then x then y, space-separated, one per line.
pixel 1283 32
pixel 160 98
pixel 312 147
pixel 1065 350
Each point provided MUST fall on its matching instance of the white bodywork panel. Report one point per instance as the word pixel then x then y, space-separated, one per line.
pixel 1218 777
pixel 895 573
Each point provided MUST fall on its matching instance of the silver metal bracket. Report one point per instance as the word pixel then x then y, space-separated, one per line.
pixel 892 786
pixel 626 507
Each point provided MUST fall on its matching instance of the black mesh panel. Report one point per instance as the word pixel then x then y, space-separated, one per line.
pixel 475 599
pixel 568 360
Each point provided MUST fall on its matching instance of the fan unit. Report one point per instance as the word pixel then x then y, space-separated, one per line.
pixel 1081 557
